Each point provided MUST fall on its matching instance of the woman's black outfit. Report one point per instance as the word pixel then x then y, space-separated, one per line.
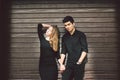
pixel 47 65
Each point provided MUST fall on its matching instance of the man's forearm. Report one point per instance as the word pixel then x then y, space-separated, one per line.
pixel 83 55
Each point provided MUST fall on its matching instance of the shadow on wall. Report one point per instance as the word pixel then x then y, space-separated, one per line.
pixel 4 38
pixel 118 26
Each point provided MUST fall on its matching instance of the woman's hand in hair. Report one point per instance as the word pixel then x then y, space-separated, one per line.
pixel 46 25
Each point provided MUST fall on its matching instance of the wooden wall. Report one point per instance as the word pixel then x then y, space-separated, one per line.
pixel 97 20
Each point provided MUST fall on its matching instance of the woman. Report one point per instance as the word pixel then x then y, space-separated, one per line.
pixel 49 48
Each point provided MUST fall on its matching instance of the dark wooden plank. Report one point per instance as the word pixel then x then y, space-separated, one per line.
pixel 63 10
pixel 35 39
pixel 89 35
pixel 60 24
pixel 30 61
pixel 91 30
pixel 64 2
pixel 59 15
pixel 44 20
pixel 36 55
pixel 90 44
pixel 30 49
pixel 89 67
pixel 30 6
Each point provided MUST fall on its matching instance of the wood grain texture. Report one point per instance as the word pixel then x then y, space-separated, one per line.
pixel 97 20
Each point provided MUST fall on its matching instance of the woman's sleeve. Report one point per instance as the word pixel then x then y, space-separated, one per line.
pixel 40 31
pixel 57 55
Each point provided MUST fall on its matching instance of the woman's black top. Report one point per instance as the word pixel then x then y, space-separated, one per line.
pixel 48 56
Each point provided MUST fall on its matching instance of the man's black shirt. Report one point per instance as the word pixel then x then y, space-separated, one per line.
pixel 74 45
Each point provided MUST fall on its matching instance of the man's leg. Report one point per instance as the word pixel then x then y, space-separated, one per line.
pixel 79 72
pixel 67 74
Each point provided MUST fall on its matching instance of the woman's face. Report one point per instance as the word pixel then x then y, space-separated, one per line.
pixel 49 31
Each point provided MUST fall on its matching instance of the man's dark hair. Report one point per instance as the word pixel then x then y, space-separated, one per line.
pixel 68 18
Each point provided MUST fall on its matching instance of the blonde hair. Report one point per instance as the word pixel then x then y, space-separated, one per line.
pixel 54 38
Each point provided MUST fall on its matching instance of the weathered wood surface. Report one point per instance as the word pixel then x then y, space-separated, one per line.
pixel 96 20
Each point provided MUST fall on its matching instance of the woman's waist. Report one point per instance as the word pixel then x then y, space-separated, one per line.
pixel 47 61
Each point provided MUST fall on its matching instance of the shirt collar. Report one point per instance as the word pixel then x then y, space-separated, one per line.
pixel 73 33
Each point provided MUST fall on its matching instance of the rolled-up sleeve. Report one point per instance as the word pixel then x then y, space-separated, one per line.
pixel 84 43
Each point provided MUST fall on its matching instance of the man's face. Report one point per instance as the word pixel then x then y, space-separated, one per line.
pixel 69 26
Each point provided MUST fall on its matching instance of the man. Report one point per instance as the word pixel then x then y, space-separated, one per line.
pixel 74 43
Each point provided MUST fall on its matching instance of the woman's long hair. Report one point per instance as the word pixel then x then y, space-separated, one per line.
pixel 54 38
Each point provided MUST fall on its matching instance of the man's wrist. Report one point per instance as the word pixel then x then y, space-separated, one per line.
pixel 78 62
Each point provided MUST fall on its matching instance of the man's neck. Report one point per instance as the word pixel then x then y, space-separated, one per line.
pixel 71 33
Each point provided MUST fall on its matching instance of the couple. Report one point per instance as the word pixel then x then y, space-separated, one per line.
pixel 74 44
